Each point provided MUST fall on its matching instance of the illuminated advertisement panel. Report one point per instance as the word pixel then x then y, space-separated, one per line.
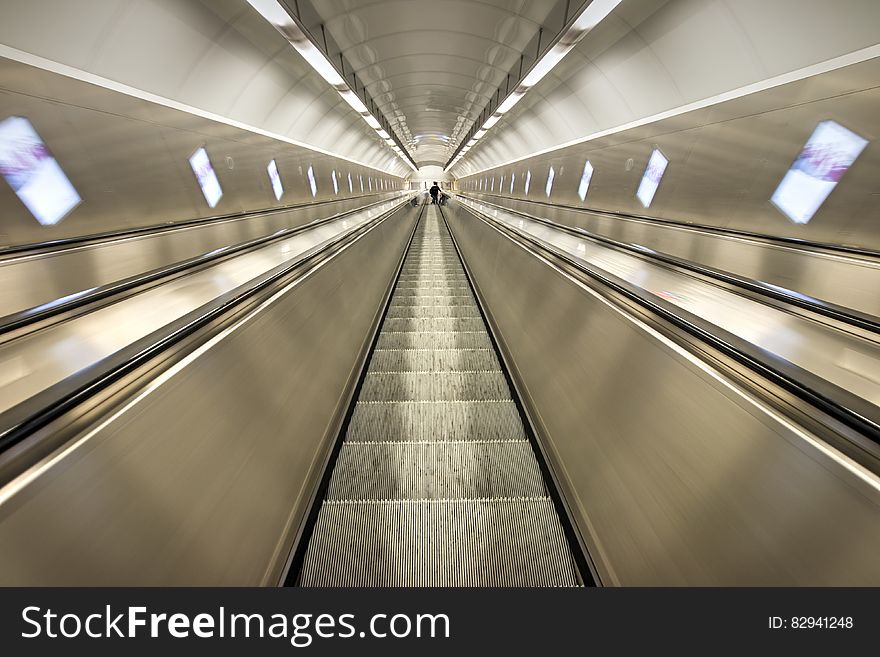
pixel 549 187
pixel 827 155
pixel 32 172
pixel 275 179
pixel 201 166
pixel 312 184
pixel 585 180
pixel 651 178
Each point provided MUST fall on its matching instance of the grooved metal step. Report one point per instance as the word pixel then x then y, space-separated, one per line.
pixel 434 386
pixel 436 483
pixel 434 360
pixel 436 470
pixel 488 542
pixel 408 310
pixel 434 340
pixel 442 300
pixel 419 421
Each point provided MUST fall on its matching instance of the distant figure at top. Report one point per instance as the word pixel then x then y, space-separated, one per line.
pixel 435 193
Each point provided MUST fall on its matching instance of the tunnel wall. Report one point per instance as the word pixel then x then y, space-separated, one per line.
pixel 128 160
pixel 219 56
pixel 654 56
pixel 713 83
pixel 725 161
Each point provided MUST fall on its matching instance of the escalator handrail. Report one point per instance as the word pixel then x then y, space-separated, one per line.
pixel 820 307
pixel 776 240
pixel 23 318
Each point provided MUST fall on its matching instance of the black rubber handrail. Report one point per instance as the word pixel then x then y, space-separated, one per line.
pixel 818 306
pixel 704 228
pixel 44 248
pixel 70 303
pixel 23 419
pixel 849 409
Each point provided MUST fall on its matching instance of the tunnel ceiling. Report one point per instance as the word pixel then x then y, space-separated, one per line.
pixel 431 67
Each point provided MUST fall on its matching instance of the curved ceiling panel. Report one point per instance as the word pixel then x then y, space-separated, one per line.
pixel 657 56
pixel 218 56
pixel 432 67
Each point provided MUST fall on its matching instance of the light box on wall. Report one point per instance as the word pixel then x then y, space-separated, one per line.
pixel 275 179
pixel 310 174
pixel 34 175
pixel 207 179
pixel 828 153
pixel 586 176
pixel 548 188
pixel 651 178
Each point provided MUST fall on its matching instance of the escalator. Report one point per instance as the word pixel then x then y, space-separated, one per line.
pixel 436 482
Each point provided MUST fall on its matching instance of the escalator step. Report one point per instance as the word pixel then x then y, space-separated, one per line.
pixel 434 340
pixel 494 542
pixel 433 360
pixel 434 386
pixel 434 324
pixel 433 310
pixel 436 470
pixel 435 300
pixel 436 483
pixel 420 421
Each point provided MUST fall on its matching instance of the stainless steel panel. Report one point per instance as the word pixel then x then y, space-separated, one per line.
pixel 673 474
pixel 204 478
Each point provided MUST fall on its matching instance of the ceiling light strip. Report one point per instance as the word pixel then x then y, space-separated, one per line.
pixel 590 17
pixel 277 15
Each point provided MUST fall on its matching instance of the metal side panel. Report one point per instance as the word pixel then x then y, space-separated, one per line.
pixel 206 477
pixel 672 475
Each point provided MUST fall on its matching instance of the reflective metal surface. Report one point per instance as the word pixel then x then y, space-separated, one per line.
pixel 673 474
pixel 204 476
pixel 850 360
